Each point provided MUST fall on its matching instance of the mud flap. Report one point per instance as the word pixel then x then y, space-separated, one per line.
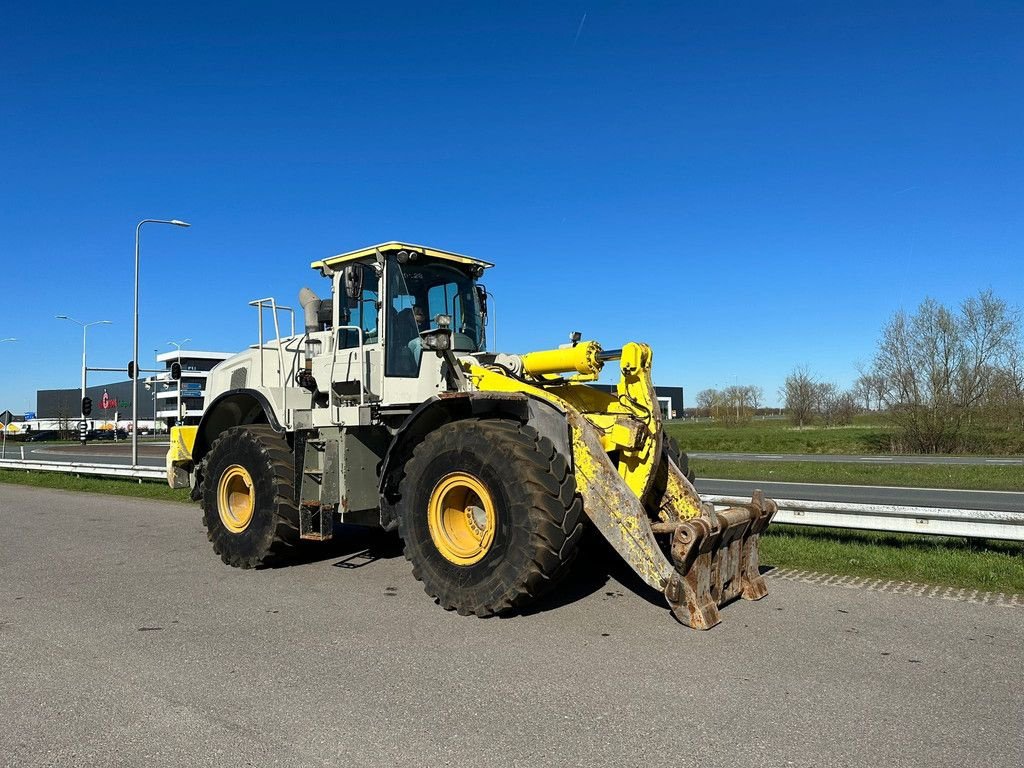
pixel 714 555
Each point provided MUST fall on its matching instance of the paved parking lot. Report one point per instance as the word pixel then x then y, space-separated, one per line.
pixel 125 641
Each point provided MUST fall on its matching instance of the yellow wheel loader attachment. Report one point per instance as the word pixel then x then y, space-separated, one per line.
pixel 633 492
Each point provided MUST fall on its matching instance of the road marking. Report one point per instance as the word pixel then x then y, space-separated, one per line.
pixel 998 599
pixel 1004 461
pixel 767 456
pixel 871 459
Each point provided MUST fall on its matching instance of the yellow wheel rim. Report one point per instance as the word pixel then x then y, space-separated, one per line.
pixel 460 515
pixel 235 498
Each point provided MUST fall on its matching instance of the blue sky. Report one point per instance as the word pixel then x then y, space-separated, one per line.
pixel 746 186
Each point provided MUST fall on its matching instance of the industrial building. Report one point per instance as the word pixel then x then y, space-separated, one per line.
pixel 159 397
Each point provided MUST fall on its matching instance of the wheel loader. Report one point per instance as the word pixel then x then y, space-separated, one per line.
pixel 389 410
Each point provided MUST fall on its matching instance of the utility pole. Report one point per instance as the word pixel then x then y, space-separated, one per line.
pixel 85 328
pixel 178 344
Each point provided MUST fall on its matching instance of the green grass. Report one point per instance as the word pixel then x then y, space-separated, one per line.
pixel 113 486
pixel 869 433
pixel 989 566
pixel 779 436
pixel 964 476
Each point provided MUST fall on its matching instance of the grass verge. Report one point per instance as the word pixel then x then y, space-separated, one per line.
pixel 992 566
pixel 779 436
pixel 963 476
pixel 113 486
pixel 869 433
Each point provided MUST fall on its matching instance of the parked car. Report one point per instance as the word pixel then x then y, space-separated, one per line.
pixel 37 435
pixel 106 434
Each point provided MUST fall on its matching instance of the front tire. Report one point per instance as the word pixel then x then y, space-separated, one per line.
pixel 248 498
pixel 489 515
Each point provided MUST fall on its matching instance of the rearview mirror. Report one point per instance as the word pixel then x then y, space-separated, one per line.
pixel 353 277
pixel 481 296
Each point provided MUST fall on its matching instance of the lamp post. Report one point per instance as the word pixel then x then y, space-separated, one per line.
pixel 135 336
pixel 155 387
pixel 180 419
pixel 85 328
pixel 4 426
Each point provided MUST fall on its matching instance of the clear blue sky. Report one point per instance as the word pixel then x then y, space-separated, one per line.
pixel 745 186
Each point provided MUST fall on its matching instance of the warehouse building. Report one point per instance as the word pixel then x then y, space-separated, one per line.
pixel 159 397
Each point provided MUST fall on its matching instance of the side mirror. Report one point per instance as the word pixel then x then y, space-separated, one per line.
pixel 481 297
pixel 353 278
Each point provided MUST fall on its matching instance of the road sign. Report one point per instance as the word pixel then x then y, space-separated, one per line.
pixel 6 418
pixel 29 415
pixel 192 386
pixel 83 430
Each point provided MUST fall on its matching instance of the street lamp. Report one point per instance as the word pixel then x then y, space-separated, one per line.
pixel 181 419
pixel 135 335
pixel 4 426
pixel 85 328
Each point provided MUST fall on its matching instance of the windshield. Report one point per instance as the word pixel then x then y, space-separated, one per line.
pixel 419 292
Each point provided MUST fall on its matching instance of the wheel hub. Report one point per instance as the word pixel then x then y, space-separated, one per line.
pixel 461 518
pixel 235 498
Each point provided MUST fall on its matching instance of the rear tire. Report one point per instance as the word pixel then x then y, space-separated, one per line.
pixel 489 515
pixel 679 457
pixel 248 498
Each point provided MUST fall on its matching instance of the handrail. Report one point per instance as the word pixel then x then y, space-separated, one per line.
pixel 260 305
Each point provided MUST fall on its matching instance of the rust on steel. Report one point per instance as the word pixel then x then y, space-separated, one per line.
pixel 716 560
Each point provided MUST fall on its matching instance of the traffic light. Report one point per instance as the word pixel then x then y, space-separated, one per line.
pixel 175 371
pixel 131 369
pixel 86 406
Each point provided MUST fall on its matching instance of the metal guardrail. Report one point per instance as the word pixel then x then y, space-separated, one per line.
pixel 87 468
pixel 969 523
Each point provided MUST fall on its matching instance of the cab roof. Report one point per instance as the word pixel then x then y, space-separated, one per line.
pixel 393 247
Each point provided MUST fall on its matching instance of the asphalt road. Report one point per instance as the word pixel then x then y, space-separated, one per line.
pixel 993 461
pixel 124 641
pixel 100 452
pixel 999 501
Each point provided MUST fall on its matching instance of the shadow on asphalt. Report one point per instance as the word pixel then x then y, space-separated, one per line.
pixel 597 567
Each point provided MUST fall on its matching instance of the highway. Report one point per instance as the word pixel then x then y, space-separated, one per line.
pixel 993 461
pixel 125 641
pixel 999 501
pixel 100 452
pixel 152 454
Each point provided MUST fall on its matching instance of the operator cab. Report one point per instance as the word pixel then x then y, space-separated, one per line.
pixel 393 300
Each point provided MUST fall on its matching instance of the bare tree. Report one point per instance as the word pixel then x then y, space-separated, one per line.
pixel 935 366
pixel 835 406
pixel 708 401
pixel 800 394
pixel 755 396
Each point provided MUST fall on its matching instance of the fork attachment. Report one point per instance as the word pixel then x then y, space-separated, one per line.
pixel 716 559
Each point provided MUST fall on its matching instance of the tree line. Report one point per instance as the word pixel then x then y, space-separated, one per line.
pixel 938 374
